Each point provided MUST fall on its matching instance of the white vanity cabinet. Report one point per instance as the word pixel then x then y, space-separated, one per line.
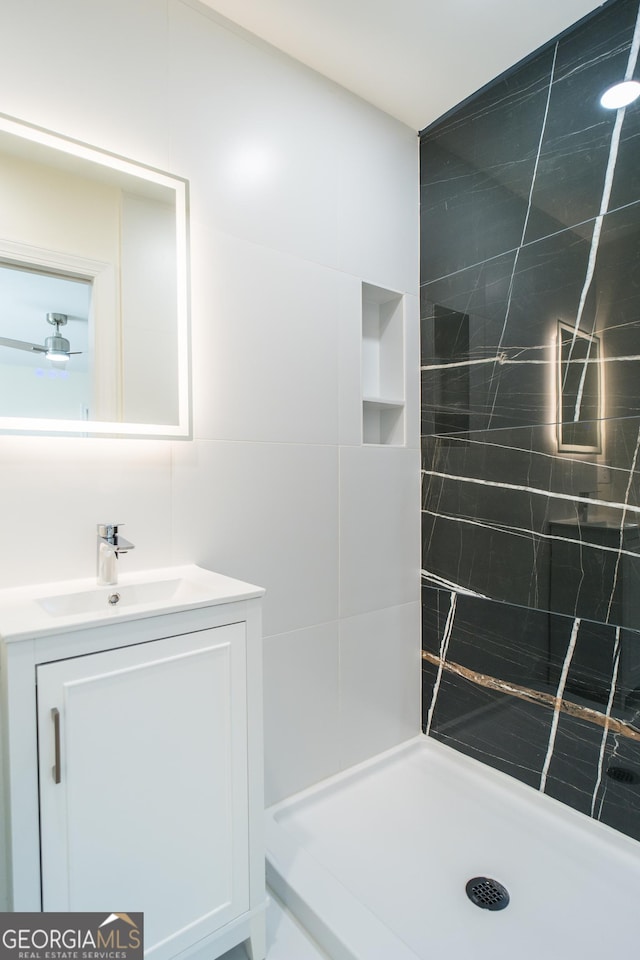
pixel 133 762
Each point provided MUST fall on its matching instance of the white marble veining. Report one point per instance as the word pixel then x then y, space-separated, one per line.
pixel 605 729
pixel 444 646
pixel 530 225
pixel 559 695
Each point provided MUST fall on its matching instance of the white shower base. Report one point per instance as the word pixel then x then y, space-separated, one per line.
pixel 374 862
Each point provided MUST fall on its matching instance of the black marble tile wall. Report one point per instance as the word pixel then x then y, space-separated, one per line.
pixel 530 322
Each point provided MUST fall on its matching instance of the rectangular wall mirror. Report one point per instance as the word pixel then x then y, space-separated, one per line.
pixel 579 391
pixel 94 331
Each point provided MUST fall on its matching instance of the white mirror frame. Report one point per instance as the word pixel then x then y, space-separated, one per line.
pixel 11 250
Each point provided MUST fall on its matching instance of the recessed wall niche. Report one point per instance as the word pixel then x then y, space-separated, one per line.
pixel 383 399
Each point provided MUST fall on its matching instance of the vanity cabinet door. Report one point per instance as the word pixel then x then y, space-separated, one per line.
pixel 150 811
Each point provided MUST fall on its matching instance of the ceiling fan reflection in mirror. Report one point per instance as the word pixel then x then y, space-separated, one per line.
pixel 55 348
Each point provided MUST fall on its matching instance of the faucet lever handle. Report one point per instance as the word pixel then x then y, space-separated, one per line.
pixel 108 530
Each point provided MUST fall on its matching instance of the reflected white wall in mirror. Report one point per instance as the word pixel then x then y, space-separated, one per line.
pixel 579 390
pixel 102 241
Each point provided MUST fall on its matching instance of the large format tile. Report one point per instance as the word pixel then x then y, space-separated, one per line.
pixel 379 681
pixel 56 490
pixel 577 142
pixel 378 195
pixel 477 167
pixel 500 491
pixel 512 306
pixel 350 365
pixel 265 342
pixel 530 434
pixel 301 709
pixel 245 122
pixel 286 158
pixel 266 513
pixel 379 528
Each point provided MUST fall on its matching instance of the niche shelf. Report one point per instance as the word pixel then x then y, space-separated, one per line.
pixel 383 399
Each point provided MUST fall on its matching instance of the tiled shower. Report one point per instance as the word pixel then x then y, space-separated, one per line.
pixel 530 324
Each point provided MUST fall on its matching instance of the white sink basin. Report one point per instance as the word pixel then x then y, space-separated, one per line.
pixel 115 599
pixel 45 609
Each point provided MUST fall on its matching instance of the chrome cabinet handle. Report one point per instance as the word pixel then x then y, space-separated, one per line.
pixel 56 769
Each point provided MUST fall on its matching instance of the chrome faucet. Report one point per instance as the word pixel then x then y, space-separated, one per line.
pixel 110 546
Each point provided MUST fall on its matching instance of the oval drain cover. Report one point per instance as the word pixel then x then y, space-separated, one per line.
pixel 622 774
pixel 487 893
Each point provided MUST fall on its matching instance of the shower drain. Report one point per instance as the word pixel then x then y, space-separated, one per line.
pixel 487 893
pixel 622 774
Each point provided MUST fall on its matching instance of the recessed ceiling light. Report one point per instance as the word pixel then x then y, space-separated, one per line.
pixel 620 94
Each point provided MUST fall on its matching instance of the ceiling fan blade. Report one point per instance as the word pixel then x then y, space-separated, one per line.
pixel 22 345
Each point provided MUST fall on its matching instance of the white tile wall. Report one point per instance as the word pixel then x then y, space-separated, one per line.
pixel 378 221
pixel 412 371
pixel 267 513
pixel 252 139
pixel 350 373
pixel 254 297
pixel 54 491
pixel 299 191
pixel 301 709
pixel 379 538
pixel 380 671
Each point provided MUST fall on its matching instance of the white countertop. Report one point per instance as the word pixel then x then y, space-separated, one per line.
pixel 47 608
